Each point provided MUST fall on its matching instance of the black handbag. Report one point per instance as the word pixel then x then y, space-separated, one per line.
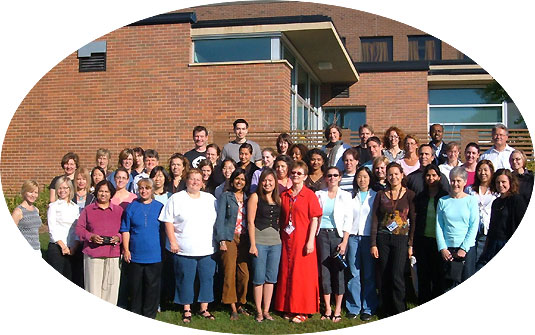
pixel 338 261
pixel 454 269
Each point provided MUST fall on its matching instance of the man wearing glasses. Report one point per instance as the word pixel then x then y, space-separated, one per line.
pixel 500 152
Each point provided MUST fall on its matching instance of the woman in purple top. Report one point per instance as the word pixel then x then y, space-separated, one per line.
pixel 98 228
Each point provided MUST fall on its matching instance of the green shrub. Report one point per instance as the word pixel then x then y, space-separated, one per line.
pixel 41 203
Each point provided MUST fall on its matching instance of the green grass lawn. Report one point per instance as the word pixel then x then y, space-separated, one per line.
pixel 172 314
pixel 248 325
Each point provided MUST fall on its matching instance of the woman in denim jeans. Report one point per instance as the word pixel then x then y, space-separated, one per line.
pixel 361 297
pixel 263 210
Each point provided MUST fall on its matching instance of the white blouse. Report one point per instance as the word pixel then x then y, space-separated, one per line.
pixel 62 218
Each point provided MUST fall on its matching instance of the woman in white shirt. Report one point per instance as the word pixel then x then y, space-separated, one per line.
pixel 62 216
pixel 337 213
pixel 452 151
pixel 361 296
pixel 485 197
pixel 189 218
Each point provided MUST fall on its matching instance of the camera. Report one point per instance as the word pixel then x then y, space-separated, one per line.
pixel 106 240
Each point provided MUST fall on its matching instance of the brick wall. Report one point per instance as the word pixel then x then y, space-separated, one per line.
pixel 390 98
pixel 351 24
pixel 148 96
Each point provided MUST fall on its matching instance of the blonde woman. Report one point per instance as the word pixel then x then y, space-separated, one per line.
pixel 82 184
pixel 26 215
pixel 62 216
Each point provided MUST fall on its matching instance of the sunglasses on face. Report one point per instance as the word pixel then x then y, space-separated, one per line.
pixel 299 173
pixel 331 175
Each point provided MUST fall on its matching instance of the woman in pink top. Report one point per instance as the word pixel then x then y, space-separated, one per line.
pixel 98 228
pixel 122 196
pixel 471 157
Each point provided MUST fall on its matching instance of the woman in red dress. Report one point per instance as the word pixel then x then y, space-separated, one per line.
pixel 297 292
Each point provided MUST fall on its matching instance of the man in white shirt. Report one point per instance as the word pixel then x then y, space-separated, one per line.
pixel 500 152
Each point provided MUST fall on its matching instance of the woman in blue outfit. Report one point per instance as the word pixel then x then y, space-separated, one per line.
pixel 456 229
pixel 361 296
pixel 231 234
pixel 263 211
pixel 140 228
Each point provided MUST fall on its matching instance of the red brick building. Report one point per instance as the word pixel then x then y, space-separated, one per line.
pixel 280 65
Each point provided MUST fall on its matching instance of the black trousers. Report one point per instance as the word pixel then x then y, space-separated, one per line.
pixel 71 267
pixel 429 264
pixel 144 281
pixel 393 255
pixel 332 278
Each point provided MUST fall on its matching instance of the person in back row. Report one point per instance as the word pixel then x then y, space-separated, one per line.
pixel 500 152
pixel 375 148
pixel 200 140
pixel 336 147
pixel 365 132
pixel 150 160
pixel 415 180
pixel 436 132
pixel 232 149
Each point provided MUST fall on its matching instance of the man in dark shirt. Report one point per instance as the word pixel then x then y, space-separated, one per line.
pixel 436 132
pixel 415 180
pixel 365 132
pixel 200 140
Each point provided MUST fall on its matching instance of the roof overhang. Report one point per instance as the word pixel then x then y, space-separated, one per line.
pixel 318 44
pixel 469 74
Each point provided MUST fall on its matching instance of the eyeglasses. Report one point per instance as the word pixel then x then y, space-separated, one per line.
pixel 299 173
pixel 335 175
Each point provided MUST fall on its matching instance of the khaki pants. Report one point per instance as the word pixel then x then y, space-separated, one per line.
pixel 236 270
pixel 101 277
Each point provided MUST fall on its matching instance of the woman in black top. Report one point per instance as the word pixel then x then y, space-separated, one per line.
pixel 525 177
pixel 245 155
pixel 507 212
pixel 317 163
pixel 263 210
pixel 425 243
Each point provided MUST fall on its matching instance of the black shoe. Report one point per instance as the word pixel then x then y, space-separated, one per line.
pixel 365 317
pixel 351 316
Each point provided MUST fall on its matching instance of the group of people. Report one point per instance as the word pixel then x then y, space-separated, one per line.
pixel 304 226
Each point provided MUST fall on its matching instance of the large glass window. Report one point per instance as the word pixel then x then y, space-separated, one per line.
pixel 346 117
pixel 376 49
pixel 233 49
pixel 464 108
pixel 305 92
pixel 424 48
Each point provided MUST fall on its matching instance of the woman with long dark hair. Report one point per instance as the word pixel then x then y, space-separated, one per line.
pixel 263 210
pixel 391 238
pixel 481 189
pixel 178 168
pixel 361 297
pixel 231 233
pixel 425 243
pixel 507 212
pixel 317 163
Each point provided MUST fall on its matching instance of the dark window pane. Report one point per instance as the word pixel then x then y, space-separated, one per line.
pixel 233 49
pixel 460 96
pixel 465 114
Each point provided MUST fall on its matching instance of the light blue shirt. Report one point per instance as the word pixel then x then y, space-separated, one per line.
pixel 327 220
pixel 457 222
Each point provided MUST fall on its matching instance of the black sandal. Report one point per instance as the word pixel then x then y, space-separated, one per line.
pixel 326 317
pixel 209 316
pixel 337 318
pixel 186 319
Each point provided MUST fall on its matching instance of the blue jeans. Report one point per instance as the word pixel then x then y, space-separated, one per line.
pixel 266 264
pixel 361 294
pixel 186 268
